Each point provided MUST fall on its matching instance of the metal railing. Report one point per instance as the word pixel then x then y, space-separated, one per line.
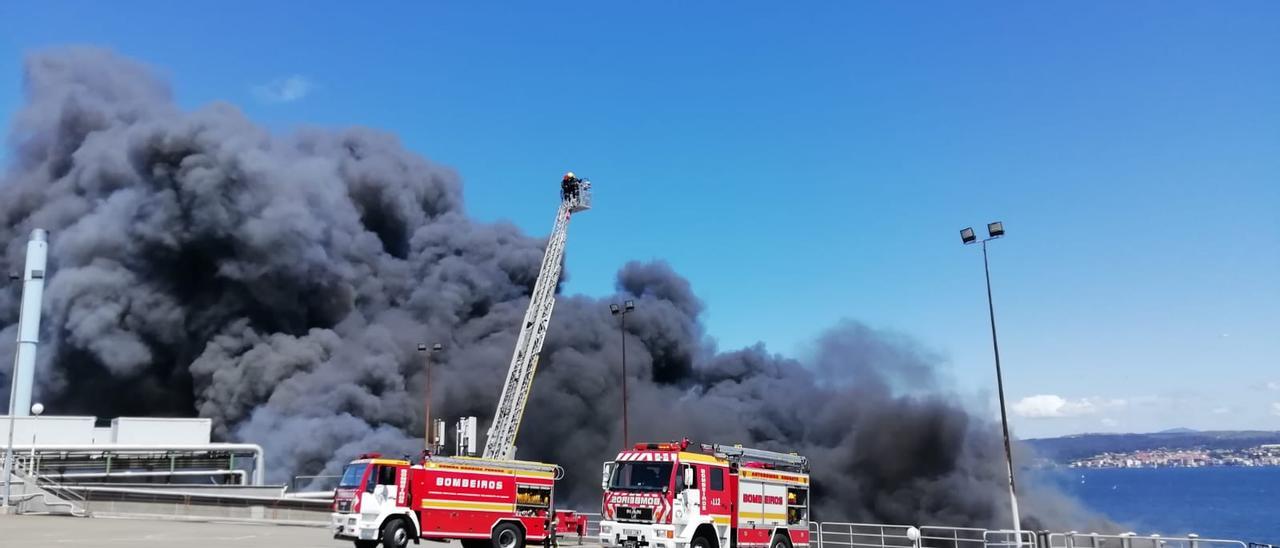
pixel 1131 540
pixel 1005 538
pixel 870 535
pixel 593 524
pixel 50 493
pixel 937 536
pixel 314 483
pixel 862 535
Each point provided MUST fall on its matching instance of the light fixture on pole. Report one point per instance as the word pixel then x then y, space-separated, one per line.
pixel 996 230
pixel 36 409
pixel 621 312
pixel 428 443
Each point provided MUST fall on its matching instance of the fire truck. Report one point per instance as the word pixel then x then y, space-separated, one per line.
pixel 492 501
pixel 671 495
pixel 482 502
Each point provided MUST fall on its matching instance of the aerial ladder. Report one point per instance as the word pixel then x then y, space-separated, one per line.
pixel 739 453
pixel 500 443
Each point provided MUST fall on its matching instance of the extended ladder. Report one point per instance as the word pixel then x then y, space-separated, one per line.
pixel 740 453
pixel 500 443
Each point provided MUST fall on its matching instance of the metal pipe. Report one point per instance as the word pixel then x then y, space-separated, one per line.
pixel 192 473
pixel 259 465
pixel 626 437
pixel 1004 417
pixel 24 359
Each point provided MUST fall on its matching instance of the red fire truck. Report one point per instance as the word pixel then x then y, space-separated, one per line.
pixel 482 502
pixel 668 495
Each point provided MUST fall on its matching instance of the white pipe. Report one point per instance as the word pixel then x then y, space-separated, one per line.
pixel 127 474
pixel 259 466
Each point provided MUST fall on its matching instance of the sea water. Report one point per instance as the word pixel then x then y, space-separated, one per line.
pixel 1214 502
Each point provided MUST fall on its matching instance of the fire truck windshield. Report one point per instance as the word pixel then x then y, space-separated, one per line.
pixel 641 476
pixel 352 475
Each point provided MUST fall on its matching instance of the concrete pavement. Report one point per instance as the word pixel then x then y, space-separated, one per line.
pixel 29 530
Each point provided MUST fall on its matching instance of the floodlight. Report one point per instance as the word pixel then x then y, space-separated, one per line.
pixel 967 235
pixel 995 229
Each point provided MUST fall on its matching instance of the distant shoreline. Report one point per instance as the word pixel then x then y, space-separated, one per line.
pixel 1170 449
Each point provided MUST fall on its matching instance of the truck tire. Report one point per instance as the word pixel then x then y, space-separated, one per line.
pixel 700 541
pixel 507 535
pixel 780 541
pixel 395 534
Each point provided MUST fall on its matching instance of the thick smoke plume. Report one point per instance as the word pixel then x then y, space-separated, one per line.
pixel 279 284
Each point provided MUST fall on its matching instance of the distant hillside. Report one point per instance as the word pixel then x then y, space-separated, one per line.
pixel 1079 446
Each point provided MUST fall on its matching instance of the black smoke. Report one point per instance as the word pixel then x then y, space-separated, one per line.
pixel 279 284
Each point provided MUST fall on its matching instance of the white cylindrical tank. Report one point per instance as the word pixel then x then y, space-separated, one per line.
pixel 24 364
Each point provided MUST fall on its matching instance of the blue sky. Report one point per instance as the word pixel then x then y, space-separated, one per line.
pixel 806 163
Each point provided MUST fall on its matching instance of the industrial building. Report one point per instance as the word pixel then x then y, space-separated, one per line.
pixel 130 450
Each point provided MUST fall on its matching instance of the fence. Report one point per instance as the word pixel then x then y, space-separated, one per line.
pixel 197 505
pixel 593 525
pixel 871 535
pixel 314 483
pixel 1131 540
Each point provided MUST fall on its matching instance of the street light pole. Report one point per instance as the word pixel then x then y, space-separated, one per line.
pixel 621 312
pixel 7 470
pixel 426 396
pixel 996 230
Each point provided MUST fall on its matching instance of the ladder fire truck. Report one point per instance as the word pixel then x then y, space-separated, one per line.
pixel 488 501
pixel 671 495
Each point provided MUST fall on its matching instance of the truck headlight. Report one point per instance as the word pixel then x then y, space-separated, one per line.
pixel 605 529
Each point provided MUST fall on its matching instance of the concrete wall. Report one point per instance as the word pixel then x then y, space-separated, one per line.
pixel 59 430
pixel 160 431
pixel 109 508
pixel 124 431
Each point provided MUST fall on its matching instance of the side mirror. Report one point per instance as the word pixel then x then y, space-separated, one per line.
pixel 688 477
pixel 606 472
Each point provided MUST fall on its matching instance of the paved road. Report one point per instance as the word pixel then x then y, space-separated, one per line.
pixel 41 531
pixel 52 531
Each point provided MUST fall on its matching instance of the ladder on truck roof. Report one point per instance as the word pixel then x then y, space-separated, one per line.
pixel 524 465
pixel 740 453
pixel 500 443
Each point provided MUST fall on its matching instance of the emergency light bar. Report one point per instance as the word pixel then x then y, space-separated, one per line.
pixel 669 446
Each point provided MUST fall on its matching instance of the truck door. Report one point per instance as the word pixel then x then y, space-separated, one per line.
pixel 383 485
pixel 719 500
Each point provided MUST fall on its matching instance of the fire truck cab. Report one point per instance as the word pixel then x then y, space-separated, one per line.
pixel 667 495
pixel 482 502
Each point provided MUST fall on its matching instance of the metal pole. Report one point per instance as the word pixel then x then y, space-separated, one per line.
pixel 626 438
pixel 1004 417
pixel 426 404
pixel 8 452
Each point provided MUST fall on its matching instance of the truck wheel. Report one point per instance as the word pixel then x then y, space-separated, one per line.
pixel 780 541
pixel 507 535
pixel 395 534
pixel 700 541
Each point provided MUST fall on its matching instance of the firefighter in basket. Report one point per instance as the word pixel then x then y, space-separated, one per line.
pixel 569 186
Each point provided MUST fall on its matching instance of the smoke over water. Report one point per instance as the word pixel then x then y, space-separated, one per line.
pixel 279 284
